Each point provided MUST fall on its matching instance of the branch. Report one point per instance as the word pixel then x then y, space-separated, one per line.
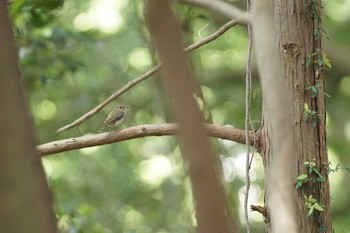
pixel 223 132
pixel 262 210
pixel 223 8
pixel 146 75
pixel 248 96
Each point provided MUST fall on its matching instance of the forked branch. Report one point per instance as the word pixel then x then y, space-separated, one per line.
pixel 145 76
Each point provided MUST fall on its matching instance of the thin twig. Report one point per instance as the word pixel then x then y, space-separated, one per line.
pixel 247 121
pixel 217 131
pixel 146 75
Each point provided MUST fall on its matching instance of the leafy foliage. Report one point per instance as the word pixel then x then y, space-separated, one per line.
pixel 68 71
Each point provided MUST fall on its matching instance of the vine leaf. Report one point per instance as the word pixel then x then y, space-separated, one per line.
pixel 318 207
pixel 302 177
pixel 326 61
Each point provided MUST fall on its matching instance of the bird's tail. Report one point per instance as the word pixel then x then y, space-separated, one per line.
pixel 102 128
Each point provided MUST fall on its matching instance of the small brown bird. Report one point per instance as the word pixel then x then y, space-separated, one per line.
pixel 116 117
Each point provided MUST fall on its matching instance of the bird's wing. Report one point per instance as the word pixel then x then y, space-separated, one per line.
pixel 111 120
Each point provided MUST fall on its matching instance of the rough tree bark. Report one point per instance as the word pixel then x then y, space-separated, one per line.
pixel 297 26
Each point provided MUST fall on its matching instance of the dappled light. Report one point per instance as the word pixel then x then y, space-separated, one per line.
pixel 102 15
pixel 344 85
pixel 46 110
pixel 154 170
pixel 75 54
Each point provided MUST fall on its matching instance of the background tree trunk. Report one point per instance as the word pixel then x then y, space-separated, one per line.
pixel 297 26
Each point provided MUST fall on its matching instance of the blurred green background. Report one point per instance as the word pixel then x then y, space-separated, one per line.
pixel 74 54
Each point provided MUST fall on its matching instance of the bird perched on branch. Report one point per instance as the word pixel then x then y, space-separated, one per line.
pixel 116 117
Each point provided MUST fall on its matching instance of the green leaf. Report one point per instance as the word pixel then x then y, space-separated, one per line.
pixel 318 207
pixel 314 94
pixel 315 53
pixel 314 91
pixel 312 199
pixel 310 212
pixel 317 18
pixel 313 10
pixel 322 229
pixel 298 184
pixel 321 179
pixel 326 61
pixel 302 177
pixel 310 169
pixel 308 62
pixel 315 170
pixel 317 33
pixel 306 108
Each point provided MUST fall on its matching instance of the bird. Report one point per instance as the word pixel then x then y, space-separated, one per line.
pixel 115 117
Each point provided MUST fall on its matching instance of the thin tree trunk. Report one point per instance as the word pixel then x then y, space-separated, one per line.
pixel 212 211
pixel 297 26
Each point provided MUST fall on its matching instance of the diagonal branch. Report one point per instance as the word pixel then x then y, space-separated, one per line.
pixel 146 75
pixel 224 8
pixel 223 132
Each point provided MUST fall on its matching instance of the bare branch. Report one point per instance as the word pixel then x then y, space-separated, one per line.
pixel 217 131
pixel 262 210
pixel 213 36
pixel 223 8
pixel 145 76
pixel 248 94
pixel 111 98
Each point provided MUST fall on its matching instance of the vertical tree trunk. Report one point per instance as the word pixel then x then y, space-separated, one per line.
pixel 25 199
pixel 300 49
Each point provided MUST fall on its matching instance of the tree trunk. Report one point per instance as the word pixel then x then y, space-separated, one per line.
pixel 25 199
pixel 298 28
